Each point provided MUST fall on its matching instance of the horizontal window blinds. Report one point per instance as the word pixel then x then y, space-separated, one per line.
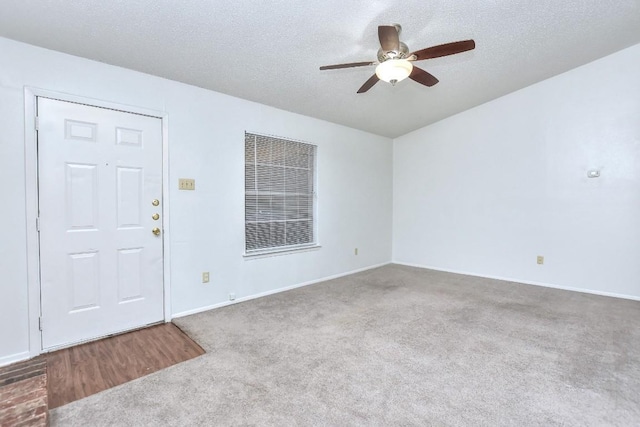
pixel 279 193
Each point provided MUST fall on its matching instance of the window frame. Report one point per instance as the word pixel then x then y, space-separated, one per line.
pixel 289 249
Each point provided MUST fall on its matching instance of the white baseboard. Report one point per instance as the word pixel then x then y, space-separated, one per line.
pixel 274 291
pixel 13 358
pixel 524 282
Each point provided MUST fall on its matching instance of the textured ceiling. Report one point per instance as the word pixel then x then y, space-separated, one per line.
pixel 270 52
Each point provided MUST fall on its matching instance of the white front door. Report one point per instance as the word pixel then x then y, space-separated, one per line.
pixel 100 199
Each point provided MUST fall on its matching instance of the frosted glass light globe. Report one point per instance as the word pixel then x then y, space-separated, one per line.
pixel 394 70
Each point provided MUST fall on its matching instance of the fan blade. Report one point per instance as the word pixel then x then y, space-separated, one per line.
pixel 349 65
pixel 368 84
pixel 444 50
pixel 421 76
pixel 389 38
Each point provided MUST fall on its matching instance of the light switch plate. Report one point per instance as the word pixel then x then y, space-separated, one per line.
pixel 186 184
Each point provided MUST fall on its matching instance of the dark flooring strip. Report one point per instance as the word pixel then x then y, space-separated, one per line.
pixel 83 370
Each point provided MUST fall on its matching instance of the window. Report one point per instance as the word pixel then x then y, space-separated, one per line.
pixel 279 194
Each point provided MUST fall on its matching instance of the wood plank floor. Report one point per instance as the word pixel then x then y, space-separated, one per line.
pixel 86 369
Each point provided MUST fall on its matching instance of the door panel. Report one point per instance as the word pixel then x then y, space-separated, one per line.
pixel 101 266
pixel 81 200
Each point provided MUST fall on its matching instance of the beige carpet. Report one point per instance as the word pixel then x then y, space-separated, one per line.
pixel 394 346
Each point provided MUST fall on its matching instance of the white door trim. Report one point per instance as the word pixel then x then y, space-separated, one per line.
pixel 31 199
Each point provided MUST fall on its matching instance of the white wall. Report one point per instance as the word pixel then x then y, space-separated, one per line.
pixel 486 191
pixel 206 137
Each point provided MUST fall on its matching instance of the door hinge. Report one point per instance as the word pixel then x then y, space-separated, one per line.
pixel 40 322
pixel 38 223
pixel 37 123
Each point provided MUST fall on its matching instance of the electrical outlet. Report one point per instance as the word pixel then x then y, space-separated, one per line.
pixel 356 251
pixel 540 259
pixel 186 184
pixel 205 277
pixel 232 296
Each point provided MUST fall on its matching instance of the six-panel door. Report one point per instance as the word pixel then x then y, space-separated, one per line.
pixel 100 171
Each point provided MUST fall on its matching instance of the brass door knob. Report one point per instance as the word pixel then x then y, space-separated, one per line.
pixel 156 231
pixel 155 216
pixel 155 202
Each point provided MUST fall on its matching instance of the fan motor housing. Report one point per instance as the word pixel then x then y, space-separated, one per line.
pixel 392 54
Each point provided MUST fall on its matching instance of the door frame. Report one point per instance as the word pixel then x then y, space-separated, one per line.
pixel 31 94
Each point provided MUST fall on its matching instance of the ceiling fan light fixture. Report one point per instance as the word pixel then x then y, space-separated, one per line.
pixel 394 70
pixel 395 61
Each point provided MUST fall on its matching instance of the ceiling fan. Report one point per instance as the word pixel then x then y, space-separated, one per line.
pixel 395 62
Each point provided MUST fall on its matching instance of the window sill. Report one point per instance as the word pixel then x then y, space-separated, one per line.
pixel 278 252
